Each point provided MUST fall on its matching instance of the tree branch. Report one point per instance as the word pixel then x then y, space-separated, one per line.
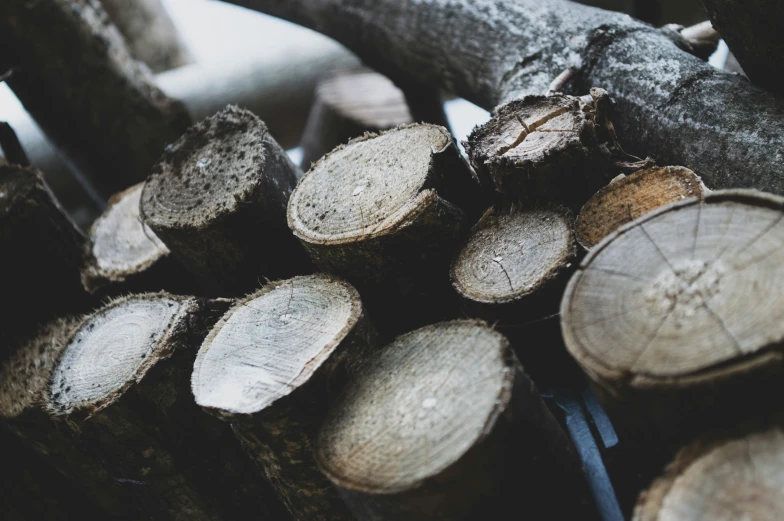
pixel 671 105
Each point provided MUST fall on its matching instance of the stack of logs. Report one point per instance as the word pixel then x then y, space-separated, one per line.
pixel 236 340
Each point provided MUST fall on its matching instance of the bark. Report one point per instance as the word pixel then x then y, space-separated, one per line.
pixel 732 475
pixel 346 106
pixel 512 272
pixel 443 424
pixel 123 255
pixel 272 366
pixel 41 254
pixel 72 70
pixel 670 105
pixel 629 197
pixel 13 152
pixel 149 33
pixel 217 199
pixel 387 212
pixel 752 31
pixel 121 387
pixel 676 317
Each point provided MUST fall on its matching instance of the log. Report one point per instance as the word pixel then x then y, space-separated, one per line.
pixel 720 479
pixel 670 104
pixel 752 31
pixel 24 379
pixel 272 366
pixel 387 212
pixel 42 251
pixel 443 424
pixel 123 255
pixel 629 197
pixel 512 272
pixel 121 387
pixel 217 199
pixel 347 105
pixel 72 70
pixel 149 33
pixel 676 317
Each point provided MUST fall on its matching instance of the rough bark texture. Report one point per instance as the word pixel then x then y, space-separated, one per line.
pixel 722 477
pixel 387 212
pixel 629 197
pixel 272 366
pixel 346 106
pixel 123 255
pixel 41 251
pixel 443 424
pixel 752 30
pixel 73 73
pixel 121 387
pixel 670 105
pixel 677 318
pixel 217 199
pixel 149 32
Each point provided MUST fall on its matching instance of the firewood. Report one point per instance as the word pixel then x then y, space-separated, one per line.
pixel 121 387
pixel 676 316
pixel 670 104
pixel 752 30
pixel 443 424
pixel 347 105
pixel 271 367
pixel 387 212
pixel 124 255
pixel 217 199
pixel 72 71
pixel 738 477
pixel 149 33
pixel 41 252
pixel 629 197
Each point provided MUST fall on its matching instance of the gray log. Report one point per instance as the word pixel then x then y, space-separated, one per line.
pixel 669 104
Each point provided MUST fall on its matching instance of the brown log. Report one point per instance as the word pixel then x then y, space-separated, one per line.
pixel 271 367
pixel 41 252
pixel 670 104
pixel 217 199
pixel 629 197
pixel 124 255
pixel 677 318
pixel 752 30
pixel 387 212
pixel 347 105
pixel 121 388
pixel 512 272
pixel 149 33
pixel 722 478
pixel 72 70
pixel 443 424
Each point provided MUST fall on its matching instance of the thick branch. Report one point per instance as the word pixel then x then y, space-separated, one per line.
pixel 671 105
pixel 74 74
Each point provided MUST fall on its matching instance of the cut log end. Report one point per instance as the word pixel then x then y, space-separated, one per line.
pixel 737 479
pixel 215 167
pixel 536 147
pixel 121 245
pixel 681 307
pixel 25 375
pixel 408 417
pixel 112 349
pixel 272 342
pixel 633 196
pixel 514 255
pixel 371 187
